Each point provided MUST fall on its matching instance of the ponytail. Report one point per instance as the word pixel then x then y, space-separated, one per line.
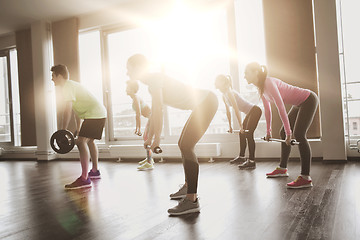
pixel 223 80
pixel 229 81
pixel 262 76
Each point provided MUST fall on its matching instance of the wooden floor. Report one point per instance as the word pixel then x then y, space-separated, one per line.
pixel 127 204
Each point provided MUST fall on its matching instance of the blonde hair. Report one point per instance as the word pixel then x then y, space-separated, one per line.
pixel 138 60
pixel 223 80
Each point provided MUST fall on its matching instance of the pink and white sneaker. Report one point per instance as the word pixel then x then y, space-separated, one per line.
pixel 300 182
pixel 278 172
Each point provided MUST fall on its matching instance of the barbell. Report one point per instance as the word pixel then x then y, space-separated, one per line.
pixel 292 142
pixel 238 131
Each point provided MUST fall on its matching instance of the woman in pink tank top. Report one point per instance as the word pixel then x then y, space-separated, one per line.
pixel 296 122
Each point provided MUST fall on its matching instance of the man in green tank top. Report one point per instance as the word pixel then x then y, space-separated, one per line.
pixel 90 117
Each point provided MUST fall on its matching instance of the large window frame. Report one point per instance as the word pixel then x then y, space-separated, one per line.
pixel 235 69
pixel 350 86
pixel 167 135
pixel 11 99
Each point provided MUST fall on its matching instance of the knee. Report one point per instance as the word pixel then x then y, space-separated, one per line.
pixel 299 136
pixel 187 151
pixel 80 141
pixel 282 133
pixel 183 146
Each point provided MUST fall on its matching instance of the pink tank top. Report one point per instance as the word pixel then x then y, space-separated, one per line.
pixel 281 93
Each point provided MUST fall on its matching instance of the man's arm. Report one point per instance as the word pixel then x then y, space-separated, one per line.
pixel 66 115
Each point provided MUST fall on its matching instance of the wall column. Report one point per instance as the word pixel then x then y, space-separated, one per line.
pixel 331 109
pixel 44 90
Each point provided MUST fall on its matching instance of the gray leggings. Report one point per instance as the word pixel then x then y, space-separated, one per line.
pixel 300 118
pixel 194 129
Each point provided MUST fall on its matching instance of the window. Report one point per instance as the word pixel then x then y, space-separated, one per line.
pixel 90 64
pixel 355 126
pixel 349 51
pixel 194 50
pixel 9 98
pixel 250 48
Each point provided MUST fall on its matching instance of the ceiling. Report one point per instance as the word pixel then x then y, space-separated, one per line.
pixel 19 14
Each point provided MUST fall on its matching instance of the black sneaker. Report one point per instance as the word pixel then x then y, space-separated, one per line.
pixel 238 159
pixel 249 164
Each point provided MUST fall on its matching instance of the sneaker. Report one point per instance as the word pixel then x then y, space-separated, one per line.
pixel 300 182
pixel 238 159
pixel 146 166
pixel 94 175
pixel 278 172
pixel 145 160
pixel 180 194
pixel 249 164
pixel 185 206
pixel 79 183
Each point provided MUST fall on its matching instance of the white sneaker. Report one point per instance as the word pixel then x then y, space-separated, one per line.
pixel 146 166
pixel 145 160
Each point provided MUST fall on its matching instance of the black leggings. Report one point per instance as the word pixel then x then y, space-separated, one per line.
pixel 300 118
pixel 250 123
pixel 194 129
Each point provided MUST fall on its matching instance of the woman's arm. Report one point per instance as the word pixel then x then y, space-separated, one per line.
pixel 233 102
pixel 136 102
pixel 156 118
pixel 228 114
pixel 268 116
pixel 275 94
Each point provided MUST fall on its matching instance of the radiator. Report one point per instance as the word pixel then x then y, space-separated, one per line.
pixel 202 150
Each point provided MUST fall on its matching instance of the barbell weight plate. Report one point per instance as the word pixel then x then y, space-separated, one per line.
pixel 62 141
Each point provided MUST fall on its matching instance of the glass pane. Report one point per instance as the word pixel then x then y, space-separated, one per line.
pixel 197 60
pixel 15 97
pixel 194 51
pixel 354 117
pixel 250 48
pixel 349 69
pixel 5 132
pixel 90 65
pixel 121 46
pixel 351 39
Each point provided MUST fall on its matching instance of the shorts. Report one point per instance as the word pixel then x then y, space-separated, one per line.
pixel 92 128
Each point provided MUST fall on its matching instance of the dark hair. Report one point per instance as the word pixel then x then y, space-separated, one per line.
pixel 262 74
pixel 133 85
pixel 60 69
pixel 224 79
pixel 138 61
